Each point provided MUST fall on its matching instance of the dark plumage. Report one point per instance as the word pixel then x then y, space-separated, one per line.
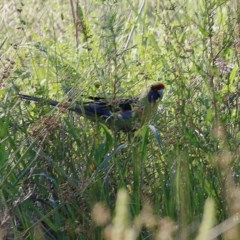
pixel 124 114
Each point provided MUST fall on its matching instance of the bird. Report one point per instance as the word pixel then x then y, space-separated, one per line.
pixel 124 114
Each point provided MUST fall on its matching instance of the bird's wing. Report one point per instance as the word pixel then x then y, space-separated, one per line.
pixel 106 108
pixel 101 105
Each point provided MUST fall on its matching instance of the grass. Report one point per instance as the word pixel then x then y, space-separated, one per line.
pixel 64 177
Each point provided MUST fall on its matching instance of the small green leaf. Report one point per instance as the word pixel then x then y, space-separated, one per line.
pixel 209 115
pixel 233 74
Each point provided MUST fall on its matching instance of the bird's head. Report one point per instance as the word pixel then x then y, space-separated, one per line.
pixel 156 92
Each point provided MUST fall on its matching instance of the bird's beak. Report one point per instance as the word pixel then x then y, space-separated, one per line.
pixel 160 92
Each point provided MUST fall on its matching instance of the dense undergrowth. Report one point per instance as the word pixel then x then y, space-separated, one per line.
pixel 64 177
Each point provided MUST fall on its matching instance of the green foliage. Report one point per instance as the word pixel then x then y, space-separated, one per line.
pixel 59 171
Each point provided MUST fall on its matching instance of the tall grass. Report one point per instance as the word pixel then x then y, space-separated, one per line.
pixel 64 177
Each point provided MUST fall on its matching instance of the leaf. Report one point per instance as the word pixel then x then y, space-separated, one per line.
pixel 209 115
pixel 105 163
pixel 233 74
pixel 156 134
pixel 3 42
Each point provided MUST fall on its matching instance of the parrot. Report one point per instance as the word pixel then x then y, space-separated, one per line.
pixel 124 114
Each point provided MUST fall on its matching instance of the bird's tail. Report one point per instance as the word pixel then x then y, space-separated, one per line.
pixel 41 100
pixel 69 106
